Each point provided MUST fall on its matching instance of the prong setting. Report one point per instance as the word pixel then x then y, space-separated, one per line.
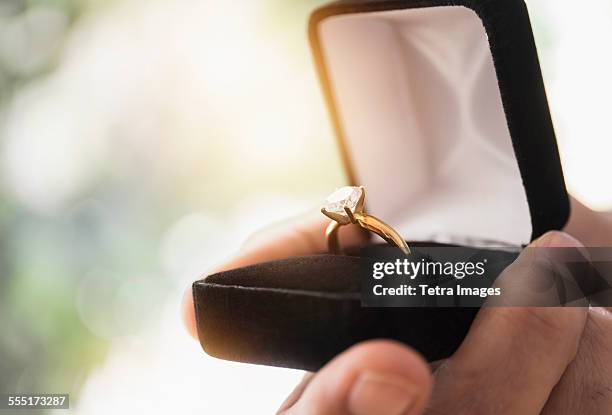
pixel 350 215
pixel 361 201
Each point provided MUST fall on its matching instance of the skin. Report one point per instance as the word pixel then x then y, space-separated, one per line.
pixel 513 361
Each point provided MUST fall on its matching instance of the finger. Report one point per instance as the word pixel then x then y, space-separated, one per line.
pixel 548 273
pixel 512 357
pixel 586 386
pixel 296 393
pixel 593 228
pixel 299 237
pixel 375 378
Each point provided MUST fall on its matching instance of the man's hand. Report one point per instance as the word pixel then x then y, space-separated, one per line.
pixel 513 361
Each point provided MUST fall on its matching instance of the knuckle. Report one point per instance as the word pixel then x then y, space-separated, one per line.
pixel 550 323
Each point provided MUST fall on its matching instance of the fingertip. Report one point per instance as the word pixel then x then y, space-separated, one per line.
pixel 188 313
pixel 389 356
pixel 557 239
pixel 378 376
pixel 395 380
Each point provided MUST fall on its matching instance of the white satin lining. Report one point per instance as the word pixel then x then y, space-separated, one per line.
pixel 420 107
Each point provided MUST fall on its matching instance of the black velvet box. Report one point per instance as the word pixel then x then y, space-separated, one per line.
pixel 441 113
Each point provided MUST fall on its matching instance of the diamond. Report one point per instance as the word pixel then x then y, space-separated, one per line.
pixel 344 197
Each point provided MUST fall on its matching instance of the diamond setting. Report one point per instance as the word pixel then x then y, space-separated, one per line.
pixel 344 197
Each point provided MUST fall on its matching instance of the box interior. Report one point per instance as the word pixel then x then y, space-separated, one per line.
pixel 423 125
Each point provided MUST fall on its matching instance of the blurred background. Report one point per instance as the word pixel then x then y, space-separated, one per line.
pixel 135 135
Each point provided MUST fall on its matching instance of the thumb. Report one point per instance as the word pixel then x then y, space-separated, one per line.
pixel 513 357
pixel 373 378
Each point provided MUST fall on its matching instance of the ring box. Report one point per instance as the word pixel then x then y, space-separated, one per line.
pixel 440 111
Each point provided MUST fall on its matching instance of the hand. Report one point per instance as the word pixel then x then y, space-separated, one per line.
pixel 514 361
pixel 300 237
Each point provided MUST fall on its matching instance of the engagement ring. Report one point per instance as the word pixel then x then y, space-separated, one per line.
pixel 345 207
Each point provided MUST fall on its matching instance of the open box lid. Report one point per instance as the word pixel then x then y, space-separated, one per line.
pixel 441 112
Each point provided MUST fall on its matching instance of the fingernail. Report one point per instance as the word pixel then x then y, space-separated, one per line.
pixel 381 394
pixel 557 239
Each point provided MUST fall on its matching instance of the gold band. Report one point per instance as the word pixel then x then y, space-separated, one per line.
pixel 344 207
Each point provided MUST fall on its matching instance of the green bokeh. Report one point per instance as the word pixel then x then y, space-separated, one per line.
pixel 116 224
